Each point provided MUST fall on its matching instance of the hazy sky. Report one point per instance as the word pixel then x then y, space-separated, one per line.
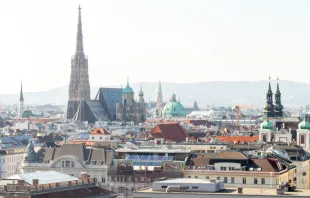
pixel 151 40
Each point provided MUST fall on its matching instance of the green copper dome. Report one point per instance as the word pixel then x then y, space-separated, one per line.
pixel 267 125
pixel 304 125
pixel 128 89
pixel 173 109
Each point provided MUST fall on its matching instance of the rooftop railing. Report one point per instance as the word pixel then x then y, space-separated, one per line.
pixel 43 188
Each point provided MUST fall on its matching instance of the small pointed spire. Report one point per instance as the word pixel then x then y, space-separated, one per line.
pixel 128 81
pixel 21 96
pixel 79 36
pixel 278 89
pixel 269 88
pixel 141 91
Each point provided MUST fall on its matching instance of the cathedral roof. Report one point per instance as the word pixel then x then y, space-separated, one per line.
pixel 128 89
pixel 173 108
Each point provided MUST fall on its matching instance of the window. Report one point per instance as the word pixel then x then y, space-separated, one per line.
pixel 207 177
pixel 302 139
pixel 231 168
pixel 92 138
pixel 218 178
pixel 195 187
pixel 164 186
pixel 232 180
pixel 263 180
pixel 100 138
pixel 189 177
pixel 264 138
pixel 196 177
pixel 225 180
pixel 223 168
pixel 255 180
pixel 244 180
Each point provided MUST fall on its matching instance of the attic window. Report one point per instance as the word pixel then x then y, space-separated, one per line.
pixel 93 161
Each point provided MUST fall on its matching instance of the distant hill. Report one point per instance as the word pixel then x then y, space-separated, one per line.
pixel 220 92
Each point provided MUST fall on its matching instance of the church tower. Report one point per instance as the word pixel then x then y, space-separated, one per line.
pixel 278 107
pixel 141 96
pixel 21 107
pixel 79 88
pixel 269 108
pixel 142 107
pixel 159 100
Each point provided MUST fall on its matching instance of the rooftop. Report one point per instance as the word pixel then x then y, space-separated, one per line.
pixel 230 191
pixel 45 177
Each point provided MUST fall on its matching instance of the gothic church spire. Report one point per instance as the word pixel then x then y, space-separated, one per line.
pixel 79 36
pixel 79 87
pixel 21 95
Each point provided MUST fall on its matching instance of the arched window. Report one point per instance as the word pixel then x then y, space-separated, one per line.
pixel 125 102
pixel 264 138
pixel 302 139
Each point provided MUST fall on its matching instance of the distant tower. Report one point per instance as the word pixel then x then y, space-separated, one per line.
pixel 141 96
pixel 278 107
pixel 159 100
pixel 79 88
pixel 269 108
pixel 196 108
pixel 142 108
pixel 21 107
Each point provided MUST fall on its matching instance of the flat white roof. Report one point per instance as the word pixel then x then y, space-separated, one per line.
pixel 184 181
pixel 152 150
pixel 44 177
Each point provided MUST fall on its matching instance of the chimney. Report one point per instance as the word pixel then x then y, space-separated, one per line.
pixel 83 175
pixel 35 182
pixel 21 182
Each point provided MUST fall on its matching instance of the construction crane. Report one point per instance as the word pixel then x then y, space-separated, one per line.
pixel 237 108
pixel 237 114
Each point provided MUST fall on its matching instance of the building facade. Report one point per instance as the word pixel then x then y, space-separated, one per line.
pixel 10 161
pixel 70 159
pixel 130 110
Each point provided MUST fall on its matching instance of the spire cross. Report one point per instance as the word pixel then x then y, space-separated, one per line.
pixel 127 81
pixel 269 77
pixel 79 7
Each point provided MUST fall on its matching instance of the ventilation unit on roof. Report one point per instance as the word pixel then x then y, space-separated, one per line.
pixel 251 169
pixel 259 169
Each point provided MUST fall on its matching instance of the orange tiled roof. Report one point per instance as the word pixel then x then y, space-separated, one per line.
pixel 237 139
pixel 100 131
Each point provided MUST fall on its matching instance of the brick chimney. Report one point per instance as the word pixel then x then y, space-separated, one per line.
pixel 21 182
pixel 35 182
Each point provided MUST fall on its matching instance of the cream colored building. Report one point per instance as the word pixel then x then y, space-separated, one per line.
pixel 236 170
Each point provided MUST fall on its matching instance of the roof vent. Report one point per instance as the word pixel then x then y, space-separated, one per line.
pixel 251 169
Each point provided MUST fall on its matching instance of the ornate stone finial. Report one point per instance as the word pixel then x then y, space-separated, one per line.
pixel 278 78
pixel 283 125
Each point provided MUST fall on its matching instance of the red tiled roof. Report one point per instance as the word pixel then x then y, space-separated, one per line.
pixel 100 131
pixel 170 132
